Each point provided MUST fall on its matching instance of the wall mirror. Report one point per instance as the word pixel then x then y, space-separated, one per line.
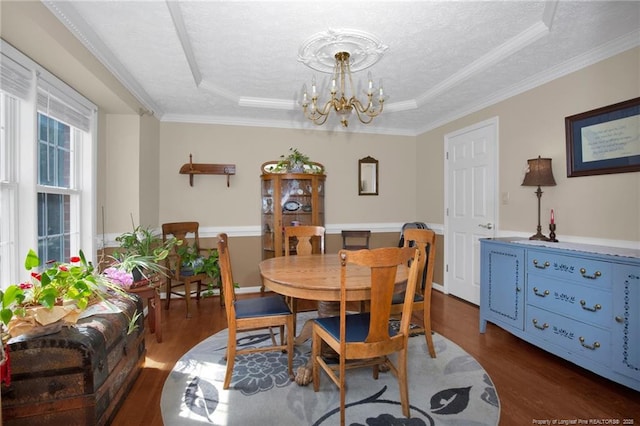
pixel 368 176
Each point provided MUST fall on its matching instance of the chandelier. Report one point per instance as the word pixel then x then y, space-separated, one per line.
pixel 340 102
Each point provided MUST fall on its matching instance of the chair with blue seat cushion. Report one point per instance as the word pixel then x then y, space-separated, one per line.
pixel 425 241
pixel 366 339
pixel 251 314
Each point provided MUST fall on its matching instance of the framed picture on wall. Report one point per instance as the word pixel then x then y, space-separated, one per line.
pixel 605 140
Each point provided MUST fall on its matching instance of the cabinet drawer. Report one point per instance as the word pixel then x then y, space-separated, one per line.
pixel 585 271
pixel 578 338
pixel 576 301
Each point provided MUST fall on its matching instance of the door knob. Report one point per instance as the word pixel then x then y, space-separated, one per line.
pixel 486 226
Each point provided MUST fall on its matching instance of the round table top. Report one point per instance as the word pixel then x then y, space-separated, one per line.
pixel 317 277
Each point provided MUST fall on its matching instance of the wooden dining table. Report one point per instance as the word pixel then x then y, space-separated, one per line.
pixel 317 277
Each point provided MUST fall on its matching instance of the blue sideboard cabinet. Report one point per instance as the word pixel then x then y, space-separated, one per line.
pixel 579 302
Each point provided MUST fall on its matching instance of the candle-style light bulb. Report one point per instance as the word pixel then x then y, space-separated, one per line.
pixel 313 86
pixel 305 102
pixel 553 219
pixel 370 91
pixel 333 86
pixel 381 91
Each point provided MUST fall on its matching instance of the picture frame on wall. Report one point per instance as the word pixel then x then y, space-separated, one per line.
pixel 604 140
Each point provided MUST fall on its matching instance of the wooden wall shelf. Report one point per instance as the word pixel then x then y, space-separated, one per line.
pixel 192 169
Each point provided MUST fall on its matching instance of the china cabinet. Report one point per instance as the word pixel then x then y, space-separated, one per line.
pixel 289 199
pixel 577 301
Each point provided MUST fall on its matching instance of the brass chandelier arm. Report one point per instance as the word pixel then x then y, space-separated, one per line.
pixel 370 110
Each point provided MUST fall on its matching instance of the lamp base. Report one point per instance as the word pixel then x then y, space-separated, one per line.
pixel 540 237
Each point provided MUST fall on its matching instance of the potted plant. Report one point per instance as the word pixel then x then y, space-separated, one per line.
pixel 141 252
pixel 56 294
pixel 192 261
pixel 296 162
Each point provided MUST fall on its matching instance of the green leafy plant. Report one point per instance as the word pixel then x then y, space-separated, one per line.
pixel 296 160
pixel 68 285
pixel 144 242
pixel 192 259
pixel 133 326
pixel 144 250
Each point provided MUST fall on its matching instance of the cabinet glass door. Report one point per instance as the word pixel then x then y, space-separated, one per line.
pixel 268 225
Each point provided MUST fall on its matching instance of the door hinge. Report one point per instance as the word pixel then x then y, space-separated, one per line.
pixel 446 155
pixel 446 268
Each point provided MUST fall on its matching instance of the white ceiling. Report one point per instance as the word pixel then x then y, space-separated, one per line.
pixel 236 62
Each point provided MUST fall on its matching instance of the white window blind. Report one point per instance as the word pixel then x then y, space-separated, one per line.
pixel 61 106
pixel 14 78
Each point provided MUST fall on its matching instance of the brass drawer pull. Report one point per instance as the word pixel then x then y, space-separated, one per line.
pixel 595 308
pixel 544 294
pixel 540 327
pixel 591 277
pixel 544 266
pixel 593 347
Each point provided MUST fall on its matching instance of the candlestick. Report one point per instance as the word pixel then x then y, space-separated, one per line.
pixel 552 232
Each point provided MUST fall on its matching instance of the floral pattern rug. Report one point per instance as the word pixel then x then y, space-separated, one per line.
pixel 452 389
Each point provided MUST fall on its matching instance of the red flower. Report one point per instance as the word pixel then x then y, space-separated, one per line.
pixel 63 268
pixel 36 275
pixel 75 259
pixel 25 286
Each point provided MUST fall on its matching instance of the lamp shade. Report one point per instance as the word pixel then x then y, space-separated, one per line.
pixel 539 173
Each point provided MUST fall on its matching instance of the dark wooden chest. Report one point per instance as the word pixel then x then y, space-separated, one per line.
pixel 78 376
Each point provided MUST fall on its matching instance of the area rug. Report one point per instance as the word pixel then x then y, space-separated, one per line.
pixel 452 389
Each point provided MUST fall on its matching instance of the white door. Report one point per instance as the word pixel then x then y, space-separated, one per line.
pixel 470 204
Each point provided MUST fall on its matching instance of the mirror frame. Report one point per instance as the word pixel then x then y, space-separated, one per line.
pixel 368 172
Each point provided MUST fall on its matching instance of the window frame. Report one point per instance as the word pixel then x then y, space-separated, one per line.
pixel 19 182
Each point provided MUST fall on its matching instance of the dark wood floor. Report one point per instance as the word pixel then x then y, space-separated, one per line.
pixel 532 384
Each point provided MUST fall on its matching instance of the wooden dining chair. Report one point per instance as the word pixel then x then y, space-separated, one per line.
pixel 176 277
pixel 425 241
pixel 302 240
pixel 355 239
pixel 251 314
pixel 366 339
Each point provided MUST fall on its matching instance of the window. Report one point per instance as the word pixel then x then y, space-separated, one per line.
pixel 47 167
pixel 54 180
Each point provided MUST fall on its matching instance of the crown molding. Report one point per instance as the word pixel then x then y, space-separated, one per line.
pixel 68 15
pixel 605 51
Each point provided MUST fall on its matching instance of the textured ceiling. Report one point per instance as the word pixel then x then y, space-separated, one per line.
pixel 236 62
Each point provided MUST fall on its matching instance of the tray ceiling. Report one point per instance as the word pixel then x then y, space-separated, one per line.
pixel 236 62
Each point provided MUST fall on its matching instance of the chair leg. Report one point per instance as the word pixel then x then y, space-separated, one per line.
pixel 402 382
pixel 343 390
pixel 168 292
pixel 187 296
pixel 231 357
pixel 294 309
pixel 426 317
pixel 316 342
pixel 429 338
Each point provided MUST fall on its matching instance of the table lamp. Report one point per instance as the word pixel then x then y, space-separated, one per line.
pixel 539 174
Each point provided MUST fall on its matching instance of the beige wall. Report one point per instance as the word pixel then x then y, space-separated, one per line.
pixel 211 203
pixel 122 176
pixel 139 157
pixel 531 124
